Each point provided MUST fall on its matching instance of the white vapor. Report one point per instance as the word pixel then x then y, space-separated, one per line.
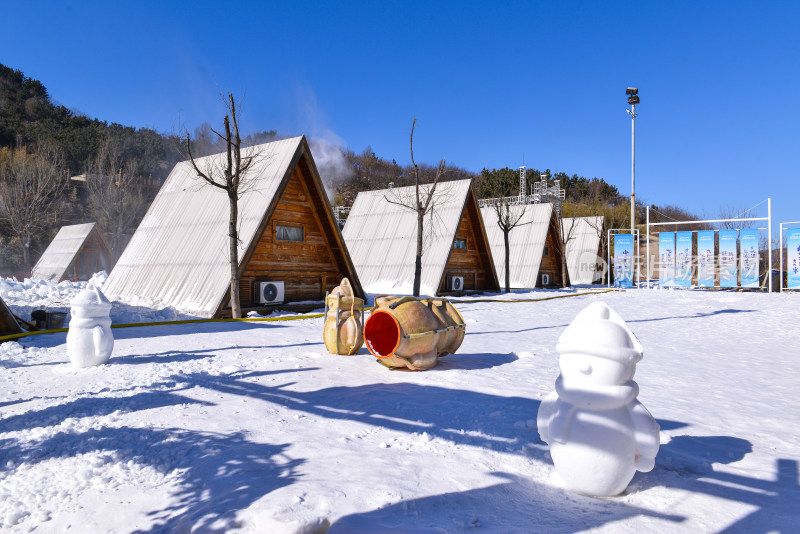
pixel 326 146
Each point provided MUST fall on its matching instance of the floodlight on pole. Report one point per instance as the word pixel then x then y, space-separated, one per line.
pixel 633 99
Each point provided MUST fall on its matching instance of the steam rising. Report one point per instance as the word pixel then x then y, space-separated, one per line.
pixel 326 146
pixel 331 163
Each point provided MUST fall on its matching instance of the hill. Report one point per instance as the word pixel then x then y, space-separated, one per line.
pixel 28 115
pixel 139 159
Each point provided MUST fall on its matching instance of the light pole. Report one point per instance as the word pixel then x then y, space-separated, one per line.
pixel 633 99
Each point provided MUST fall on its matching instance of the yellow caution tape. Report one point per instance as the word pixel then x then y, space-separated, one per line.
pixel 597 292
pixel 291 318
pixel 185 321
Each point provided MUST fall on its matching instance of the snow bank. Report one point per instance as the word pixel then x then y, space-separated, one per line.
pixel 33 294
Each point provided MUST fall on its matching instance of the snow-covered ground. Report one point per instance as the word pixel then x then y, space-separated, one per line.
pixel 254 427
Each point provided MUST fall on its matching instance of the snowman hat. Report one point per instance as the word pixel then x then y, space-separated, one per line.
pixel 599 331
pixel 91 298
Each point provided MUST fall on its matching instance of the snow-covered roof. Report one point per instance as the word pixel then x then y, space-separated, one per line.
pixel 61 252
pixel 526 242
pixel 382 237
pixel 179 253
pixel 583 245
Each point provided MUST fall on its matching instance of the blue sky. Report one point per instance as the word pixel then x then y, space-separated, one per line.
pixel 490 83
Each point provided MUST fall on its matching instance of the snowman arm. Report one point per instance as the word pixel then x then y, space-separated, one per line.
pixel 554 419
pixel 100 340
pixel 647 436
pixel 544 417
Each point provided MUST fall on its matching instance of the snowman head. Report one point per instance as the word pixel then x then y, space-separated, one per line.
pixel 90 303
pixel 586 370
pixel 598 348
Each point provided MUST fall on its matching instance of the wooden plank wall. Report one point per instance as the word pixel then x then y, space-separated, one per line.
pixel 7 323
pixel 93 257
pixel 308 268
pixel 469 263
pixel 551 260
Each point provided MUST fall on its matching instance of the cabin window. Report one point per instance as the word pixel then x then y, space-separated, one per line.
pixel 284 232
pixel 546 251
pixel 460 243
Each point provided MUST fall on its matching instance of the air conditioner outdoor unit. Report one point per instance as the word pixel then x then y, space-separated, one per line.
pixel 455 283
pixel 269 292
pixel 545 279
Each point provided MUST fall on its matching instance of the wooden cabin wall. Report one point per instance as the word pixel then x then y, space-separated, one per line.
pixel 472 263
pixel 7 323
pixel 93 257
pixel 308 268
pixel 551 260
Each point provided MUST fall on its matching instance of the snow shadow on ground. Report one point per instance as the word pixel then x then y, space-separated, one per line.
pixel 666 318
pixel 470 362
pixel 153 331
pixel 10 364
pixel 698 315
pixel 147 331
pixel 215 475
pixel 93 407
pixel 169 356
pixel 687 462
pixel 459 416
pixel 519 506
pixel 531 329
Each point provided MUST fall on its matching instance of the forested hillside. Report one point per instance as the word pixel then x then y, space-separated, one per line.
pixel 59 167
pixel 28 115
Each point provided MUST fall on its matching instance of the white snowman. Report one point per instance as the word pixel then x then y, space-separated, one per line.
pixel 599 434
pixel 89 339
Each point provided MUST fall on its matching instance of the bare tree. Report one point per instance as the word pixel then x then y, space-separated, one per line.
pixel 734 212
pixel 116 199
pixel 229 176
pixel 615 215
pixel 566 232
pixel 422 202
pixel 31 187
pixel 508 218
pixel 507 221
pixel 597 224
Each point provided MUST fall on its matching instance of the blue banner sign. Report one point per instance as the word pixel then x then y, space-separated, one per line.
pixel 748 262
pixel 727 258
pixel 793 258
pixel 666 258
pixel 705 258
pixel 683 259
pixel 623 260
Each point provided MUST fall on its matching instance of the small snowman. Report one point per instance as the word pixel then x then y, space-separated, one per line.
pixel 599 434
pixel 89 340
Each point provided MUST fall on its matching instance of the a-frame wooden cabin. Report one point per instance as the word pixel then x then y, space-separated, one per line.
pixel 381 236
pixel 75 253
pixel 534 250
pixel 584 248
pixel 291 248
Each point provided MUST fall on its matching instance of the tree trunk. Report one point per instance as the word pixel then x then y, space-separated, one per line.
pixel 564 265
pixel 418 259
pixel 508 256
pixel 25 246
pixel 236 305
